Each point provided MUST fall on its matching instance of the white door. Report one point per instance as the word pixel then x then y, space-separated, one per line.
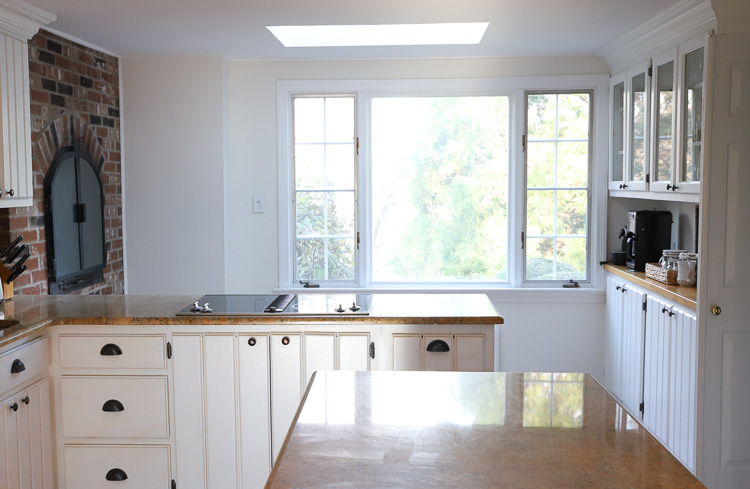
pixel 656 368
pixel 631 380
pixel 320 353
pixel 9 422
pixel 407 352
pixel 683 400
pixel 254 406
pixel 354 351
pixel 286 384
pixel 725 268
pixel 613 337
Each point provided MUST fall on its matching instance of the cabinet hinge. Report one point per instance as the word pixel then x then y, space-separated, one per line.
pixel 641 408
pixel 357 144
pixel 523 142
pixel 648 178
pixel 357 239
pixel 523 235
pixel 644 306
pixel 650 71
pixel 169 349
pixel 174 484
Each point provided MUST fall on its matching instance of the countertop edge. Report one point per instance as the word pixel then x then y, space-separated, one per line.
pixel 685 296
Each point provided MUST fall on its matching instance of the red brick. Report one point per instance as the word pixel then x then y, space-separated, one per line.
pixel 39 96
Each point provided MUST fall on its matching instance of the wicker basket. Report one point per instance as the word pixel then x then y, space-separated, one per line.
pixel 656 272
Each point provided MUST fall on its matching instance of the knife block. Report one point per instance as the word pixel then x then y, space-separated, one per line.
pixel 7 288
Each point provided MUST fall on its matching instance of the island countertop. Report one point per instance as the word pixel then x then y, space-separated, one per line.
pixel 459 430
pixel 35 313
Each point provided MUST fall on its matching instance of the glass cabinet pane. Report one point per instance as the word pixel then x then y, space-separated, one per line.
pixel 664 123
pixel 692 106
pixel 638 129
pixel 618 125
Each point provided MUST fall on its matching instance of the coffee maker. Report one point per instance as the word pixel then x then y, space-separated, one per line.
pixel 646 236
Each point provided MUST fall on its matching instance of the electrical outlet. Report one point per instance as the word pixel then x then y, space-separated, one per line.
pixel 258 204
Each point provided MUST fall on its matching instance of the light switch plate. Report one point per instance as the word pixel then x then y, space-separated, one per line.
pixel 258 204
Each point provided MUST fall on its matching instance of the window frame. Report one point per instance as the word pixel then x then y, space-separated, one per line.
pixel 513 87
pixel 589 199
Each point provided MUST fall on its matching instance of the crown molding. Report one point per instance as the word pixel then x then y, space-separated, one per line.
pixel 22 20
pixel 677 24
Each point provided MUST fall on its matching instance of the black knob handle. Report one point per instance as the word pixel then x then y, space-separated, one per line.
pixel 671 313
pixel 285 340
pixel 438 346
pixel 252 341
pixel 17 366
pixel 113 406
pixel 372 349
pixel 110 349
pixel 14 407
pixel 618 287
pixel 116 475
pixel 624 290
pixel 26 400
pixel 663 310
pixel 11 192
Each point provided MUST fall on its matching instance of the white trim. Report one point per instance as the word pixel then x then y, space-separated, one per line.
pixel 123 200
pixel 515 89
pixel 677 24
pixel 22 20
pixel 80 41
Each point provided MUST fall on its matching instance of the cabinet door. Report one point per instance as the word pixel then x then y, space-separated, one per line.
pixel 663 132
pixel 692 74
pixel 12 458
pixel 613 337
pixel 682 387
pixel 190 455
pixel 286 384
pixel 631 379
pixel 617 132
pixel 320 353
pixel 470 353
pixel 656 368
pixel 354 351
pixel 255 407
pixel 636 150
pixel 407 352
pixel 439 353
pixel 221 427
pixel 35 408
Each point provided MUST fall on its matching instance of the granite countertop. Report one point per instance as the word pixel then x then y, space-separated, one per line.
pixel 478 430
pixel 35 313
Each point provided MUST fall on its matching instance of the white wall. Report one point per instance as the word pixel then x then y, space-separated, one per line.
pixel 173 174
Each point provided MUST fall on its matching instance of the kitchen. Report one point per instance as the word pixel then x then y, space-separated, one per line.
pixel 200 184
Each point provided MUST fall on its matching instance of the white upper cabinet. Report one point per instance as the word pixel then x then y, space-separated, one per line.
pixel 18 23
pixel 656 125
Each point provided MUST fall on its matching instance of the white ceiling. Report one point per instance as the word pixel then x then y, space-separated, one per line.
pixel 236 28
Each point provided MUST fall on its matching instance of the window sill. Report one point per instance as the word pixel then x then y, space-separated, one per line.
pixel 529 295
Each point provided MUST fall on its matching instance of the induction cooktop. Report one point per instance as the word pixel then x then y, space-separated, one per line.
pixel 284 304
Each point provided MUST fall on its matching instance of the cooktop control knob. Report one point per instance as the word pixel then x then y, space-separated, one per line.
pixel 354 307
pixel 195 307
pixel 206 308
pixel 340 309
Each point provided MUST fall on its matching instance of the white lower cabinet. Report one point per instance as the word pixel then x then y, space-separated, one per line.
pixel 26 439
pixel 651 363
pixel 286 385
pixel 94 467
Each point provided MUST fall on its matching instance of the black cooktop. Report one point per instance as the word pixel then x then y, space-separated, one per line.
pixel 283 304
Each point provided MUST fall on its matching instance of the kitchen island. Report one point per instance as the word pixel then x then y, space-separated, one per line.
pixel 119 388
pixel 460 430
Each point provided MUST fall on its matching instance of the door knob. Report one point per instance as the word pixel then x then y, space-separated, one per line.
pixel 716 310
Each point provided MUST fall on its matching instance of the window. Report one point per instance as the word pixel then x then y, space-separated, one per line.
pixel 426 183
pixel 557 181
pixel 324 190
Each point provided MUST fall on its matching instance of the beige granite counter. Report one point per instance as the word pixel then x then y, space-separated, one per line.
pixel 469 430
pixel 35 313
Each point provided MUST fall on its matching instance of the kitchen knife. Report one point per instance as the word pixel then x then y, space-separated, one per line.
pixel 15 274
pixel 11 246
pixel 20 262
pixel 14 253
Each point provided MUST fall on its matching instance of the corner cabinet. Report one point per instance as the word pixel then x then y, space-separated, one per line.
pixel 18 23
pixel 656 126
pixel 651 362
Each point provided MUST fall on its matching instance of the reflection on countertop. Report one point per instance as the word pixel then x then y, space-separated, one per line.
pixel 458 430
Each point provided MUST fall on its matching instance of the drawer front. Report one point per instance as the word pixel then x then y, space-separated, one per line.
pixel 142 467
pixel 109 351
pixel 438 353
pixel 115 407
pixel 33 358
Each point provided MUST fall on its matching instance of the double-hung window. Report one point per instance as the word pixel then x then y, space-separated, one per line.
pixel 393 185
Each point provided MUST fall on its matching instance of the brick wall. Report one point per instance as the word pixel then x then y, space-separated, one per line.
pixel 74 101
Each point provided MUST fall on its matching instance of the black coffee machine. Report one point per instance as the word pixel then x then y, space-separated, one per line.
pixel 645 238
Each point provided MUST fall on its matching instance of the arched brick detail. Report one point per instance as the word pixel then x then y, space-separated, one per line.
pixel 68 129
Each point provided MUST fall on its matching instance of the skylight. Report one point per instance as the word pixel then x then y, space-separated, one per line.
pixel 295 36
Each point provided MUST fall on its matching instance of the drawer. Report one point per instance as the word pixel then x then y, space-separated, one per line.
pixel 33 358
pixel 115 407
pixel 438 353
pixel 110 351
pixel 145 467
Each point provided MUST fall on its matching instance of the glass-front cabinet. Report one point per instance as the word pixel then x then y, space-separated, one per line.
pixel 656 127
pixel 629 135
